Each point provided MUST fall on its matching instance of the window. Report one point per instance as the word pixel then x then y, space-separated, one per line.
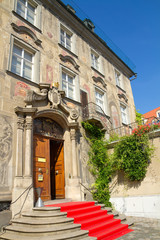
pixel 66 39
pixel 99 95
pixel 24 60
pixel 124 114
pixel 29 10
pixel 68 85
pixel 118 79
pixel 95 60
pixel 158 114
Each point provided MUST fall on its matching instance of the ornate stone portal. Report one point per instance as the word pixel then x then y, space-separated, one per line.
pixel 48 113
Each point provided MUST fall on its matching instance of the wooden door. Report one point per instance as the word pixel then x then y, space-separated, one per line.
pixel 41 165
pixel 57 170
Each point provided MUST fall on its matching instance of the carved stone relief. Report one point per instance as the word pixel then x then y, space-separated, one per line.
pixel 47 127
pixel 6 134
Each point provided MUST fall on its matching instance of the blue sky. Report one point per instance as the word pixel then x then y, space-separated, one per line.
pixel 134 26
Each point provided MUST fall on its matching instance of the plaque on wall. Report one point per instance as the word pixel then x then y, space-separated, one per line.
pixel 47 127
pixel 41 160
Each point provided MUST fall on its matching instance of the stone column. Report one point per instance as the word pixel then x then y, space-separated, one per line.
pixel 28 147
pixel 74 155
pixel 19 147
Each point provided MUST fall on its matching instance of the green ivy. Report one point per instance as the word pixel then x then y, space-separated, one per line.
pixel 99 163
pixel 132 155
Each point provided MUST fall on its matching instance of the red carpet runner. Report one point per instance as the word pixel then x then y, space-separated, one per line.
pixel 101 225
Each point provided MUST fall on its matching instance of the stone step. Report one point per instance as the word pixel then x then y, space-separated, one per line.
pixel 109 209
pixel 39 222
pixel 78 235
pixel 120 216
pixel 43 231
pixel 43 214
pixel 46 209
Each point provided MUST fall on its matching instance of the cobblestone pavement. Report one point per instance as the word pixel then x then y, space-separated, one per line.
pixel 144 229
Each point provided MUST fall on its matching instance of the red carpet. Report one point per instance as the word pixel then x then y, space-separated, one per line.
pixel 92 218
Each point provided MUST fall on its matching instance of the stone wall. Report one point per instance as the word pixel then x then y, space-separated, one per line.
pixel 140 198
pixel 52 57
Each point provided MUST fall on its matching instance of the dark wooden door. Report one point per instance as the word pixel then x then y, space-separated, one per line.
pixel 84 104
pixel 41 165
pixel 57 170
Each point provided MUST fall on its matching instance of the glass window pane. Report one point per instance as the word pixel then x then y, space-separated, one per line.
pixel 16 65
pixel 62 38
pixel 64 86
pixel 70 79
pixel 22 1
pixel 28 56
pixel 21 9
pixel 31 8
pixel 17 50
pixel 63 76
pixel 27 70
pixel 30 16
pixel 70 91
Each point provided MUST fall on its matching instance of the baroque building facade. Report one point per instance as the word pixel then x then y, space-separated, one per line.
pixel 55 72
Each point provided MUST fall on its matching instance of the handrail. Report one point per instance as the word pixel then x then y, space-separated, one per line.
pixel 21 194
pixel 85 187
pixel 126 129
pixel 28 188
pixel 95 111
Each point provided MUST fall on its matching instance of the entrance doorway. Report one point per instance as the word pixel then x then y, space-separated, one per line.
pixel 48 167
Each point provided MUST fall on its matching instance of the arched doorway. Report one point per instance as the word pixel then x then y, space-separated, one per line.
pixel 48 158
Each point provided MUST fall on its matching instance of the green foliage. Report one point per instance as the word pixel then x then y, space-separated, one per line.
pixel 138 117
pixel 113 137
pixel 93 131
pixel 132 155
pixel 99 163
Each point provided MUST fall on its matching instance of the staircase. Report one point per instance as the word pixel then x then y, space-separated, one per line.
pixel 55 222
pixel 97 221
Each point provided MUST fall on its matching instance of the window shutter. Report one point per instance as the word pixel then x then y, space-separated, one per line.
pixel 84 104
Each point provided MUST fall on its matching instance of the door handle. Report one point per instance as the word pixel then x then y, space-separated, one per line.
pixel 47 171
pixel 56 172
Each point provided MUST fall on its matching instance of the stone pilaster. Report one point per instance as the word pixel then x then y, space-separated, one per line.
pixel 19 147
pixel 28 146
pixel 74 155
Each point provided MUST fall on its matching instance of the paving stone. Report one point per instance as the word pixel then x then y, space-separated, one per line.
pixel 144 229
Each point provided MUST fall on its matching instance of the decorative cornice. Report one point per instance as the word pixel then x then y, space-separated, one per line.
pixel 99 79
pixel 68 58
pixel 23 29
pixel 33 96
pixel 122 95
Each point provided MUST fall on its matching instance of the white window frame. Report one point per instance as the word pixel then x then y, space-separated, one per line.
pixel 69 33
pixel 75 85
pixel 118 78
pixel 124 113
pixel 158 114
pixel 35 59
pixel 37 13
pixel 95 61
pixel 99 92
pixel 22 61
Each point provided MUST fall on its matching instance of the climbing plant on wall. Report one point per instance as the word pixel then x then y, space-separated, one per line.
pixel 131 154
pixel 99 163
